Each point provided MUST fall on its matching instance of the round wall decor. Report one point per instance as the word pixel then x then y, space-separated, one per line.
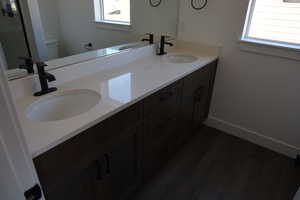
pixel 155 3
pixel 198 4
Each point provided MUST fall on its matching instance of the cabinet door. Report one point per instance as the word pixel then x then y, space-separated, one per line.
pixel 121 168
pixel 202 95
pixel 65 171
pixel 78 187
pixel 197 91
pixel 161 111
pixel 158 146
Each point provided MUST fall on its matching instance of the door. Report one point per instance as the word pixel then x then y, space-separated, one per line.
pixel 17 173
pixel 120 167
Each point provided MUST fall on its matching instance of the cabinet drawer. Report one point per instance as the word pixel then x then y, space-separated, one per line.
pixel 163 104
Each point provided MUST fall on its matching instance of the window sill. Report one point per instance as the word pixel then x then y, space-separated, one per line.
pixel 118 26
pixel 270 48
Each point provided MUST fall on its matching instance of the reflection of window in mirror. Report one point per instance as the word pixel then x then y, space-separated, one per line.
pixel 8 7
pixel 112 11
pixel 13 5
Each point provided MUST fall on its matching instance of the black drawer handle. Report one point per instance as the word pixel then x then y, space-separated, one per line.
pixel 107 159
pixel 166 96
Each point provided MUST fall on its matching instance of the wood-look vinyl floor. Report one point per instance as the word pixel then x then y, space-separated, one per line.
pixel 217 166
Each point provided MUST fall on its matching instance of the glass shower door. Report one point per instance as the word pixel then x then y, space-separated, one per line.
pixel 12 33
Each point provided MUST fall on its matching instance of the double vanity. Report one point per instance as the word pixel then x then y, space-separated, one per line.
pixel 116 120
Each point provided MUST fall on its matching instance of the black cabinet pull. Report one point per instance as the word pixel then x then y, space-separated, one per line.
pixel 107 159
pixel 99 170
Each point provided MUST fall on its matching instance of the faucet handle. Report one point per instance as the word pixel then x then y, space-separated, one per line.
pixel 151 38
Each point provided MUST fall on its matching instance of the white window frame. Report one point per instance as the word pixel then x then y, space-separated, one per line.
pixel 108 24
pixel 264 46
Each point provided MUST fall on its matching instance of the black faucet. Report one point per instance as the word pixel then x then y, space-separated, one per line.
pixel 150 39
pixel 44 78
pixel 28 65
pixel 162 45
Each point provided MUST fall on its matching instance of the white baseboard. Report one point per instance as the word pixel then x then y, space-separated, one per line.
pixel 254 137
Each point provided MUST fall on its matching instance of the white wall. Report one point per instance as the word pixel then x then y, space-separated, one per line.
pixel 256 96
pixel 77 27
pixel 162 20
pixel 50 18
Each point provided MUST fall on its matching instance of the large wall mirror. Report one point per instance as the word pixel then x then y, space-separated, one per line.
pixel 63 32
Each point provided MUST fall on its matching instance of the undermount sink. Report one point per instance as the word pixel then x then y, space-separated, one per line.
pixel 63 105
pixel 180 59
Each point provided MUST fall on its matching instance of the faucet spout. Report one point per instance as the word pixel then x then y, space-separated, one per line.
pixel 169 43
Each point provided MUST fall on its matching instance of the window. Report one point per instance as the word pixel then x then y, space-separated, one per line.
pixel 274 22
pixel 112 11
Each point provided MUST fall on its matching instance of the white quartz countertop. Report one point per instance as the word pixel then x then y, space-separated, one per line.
pixel 119 88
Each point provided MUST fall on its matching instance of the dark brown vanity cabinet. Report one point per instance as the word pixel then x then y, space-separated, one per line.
pixel 113 158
